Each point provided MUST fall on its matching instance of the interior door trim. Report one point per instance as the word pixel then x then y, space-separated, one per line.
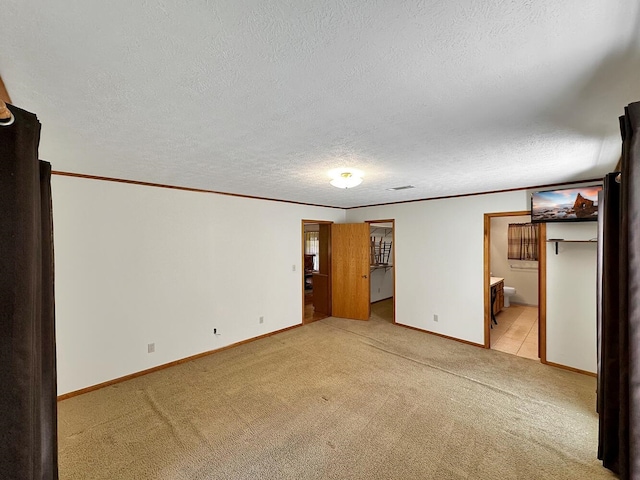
pixel 542 278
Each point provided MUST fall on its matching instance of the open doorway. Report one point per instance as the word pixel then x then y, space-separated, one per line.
pixel 514 266
pixel 316 272
pixel 355 254
pixel 382 270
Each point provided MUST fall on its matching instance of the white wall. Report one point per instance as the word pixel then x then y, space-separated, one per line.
pixel 439 259
pixel 523 276
pixel 138 265
pixel 381 284
pixel 571 296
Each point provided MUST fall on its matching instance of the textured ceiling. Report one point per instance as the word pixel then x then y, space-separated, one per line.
pixel 264 97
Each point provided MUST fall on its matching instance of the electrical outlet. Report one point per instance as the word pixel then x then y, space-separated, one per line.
pixel 261 319
pixel 151 347
pixel 378 290
pixel 293 267
pixel 435 318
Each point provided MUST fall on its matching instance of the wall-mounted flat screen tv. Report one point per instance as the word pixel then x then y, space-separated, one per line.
pixel 566 205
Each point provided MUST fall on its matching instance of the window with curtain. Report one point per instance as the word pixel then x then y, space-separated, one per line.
pixel 312 246
pixel 523 241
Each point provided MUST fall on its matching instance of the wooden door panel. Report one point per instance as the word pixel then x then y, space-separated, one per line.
pixel 321 295
pixel 350 270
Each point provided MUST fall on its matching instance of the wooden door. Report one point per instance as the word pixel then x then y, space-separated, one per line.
pixel 350 270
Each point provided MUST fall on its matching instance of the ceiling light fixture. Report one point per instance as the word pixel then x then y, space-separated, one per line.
pixel 345 177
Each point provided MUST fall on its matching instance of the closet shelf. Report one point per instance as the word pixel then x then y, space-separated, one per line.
pixel 385 230
pixel 562 240
pixel 376 267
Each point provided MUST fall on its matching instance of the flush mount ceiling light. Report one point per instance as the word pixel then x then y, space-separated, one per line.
pixel 345 177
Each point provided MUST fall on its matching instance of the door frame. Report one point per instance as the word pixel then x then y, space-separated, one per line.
pixel 392 221
pixel 542 281
pixel 302 224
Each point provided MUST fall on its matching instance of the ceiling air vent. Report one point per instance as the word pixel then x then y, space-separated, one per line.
pixel 405 187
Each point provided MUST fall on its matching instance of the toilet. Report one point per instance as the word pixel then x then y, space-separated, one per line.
pixel 508 292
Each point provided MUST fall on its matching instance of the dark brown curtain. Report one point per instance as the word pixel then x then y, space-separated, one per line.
pixel 631 301
pixel 619 308
pixel 28 413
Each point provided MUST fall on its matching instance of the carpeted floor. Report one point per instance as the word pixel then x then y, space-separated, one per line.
pixel 338 399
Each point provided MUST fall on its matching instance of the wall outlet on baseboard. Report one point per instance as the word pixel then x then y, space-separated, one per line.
pixel 151 347
pixel 293 267
pixel 261 320
pixel 435 317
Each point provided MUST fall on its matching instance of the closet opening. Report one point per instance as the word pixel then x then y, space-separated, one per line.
pixel 382 270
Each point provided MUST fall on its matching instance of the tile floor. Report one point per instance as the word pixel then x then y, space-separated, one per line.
pixel 517 331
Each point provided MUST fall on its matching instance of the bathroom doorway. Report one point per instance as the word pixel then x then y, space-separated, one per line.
pixel 514 299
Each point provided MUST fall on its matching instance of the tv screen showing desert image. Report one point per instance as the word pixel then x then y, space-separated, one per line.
pixel 569 204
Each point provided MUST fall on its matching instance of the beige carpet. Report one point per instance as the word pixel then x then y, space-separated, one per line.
pixel 338 399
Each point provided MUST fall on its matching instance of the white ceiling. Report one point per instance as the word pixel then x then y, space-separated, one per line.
pixel 264 97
